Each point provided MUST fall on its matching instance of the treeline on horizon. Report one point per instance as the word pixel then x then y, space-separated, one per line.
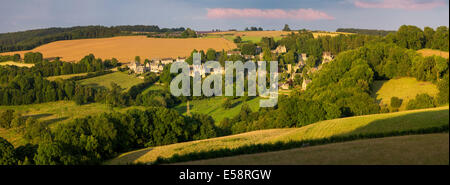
pixel 26 40
pixel 365 31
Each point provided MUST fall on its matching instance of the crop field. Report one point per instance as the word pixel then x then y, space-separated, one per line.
pixel 405 88
pixel 54 112
pixel 124 80
pixel 431 52
pixel 16 64
pixel 377 123
pixel 125 48
pixel 212 107
pixel 400 150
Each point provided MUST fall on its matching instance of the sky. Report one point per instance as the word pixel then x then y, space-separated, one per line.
pixel 203 15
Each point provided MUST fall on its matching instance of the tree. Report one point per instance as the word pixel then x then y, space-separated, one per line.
pixel 137 59
pixel 188 33
pixel 7 154
pixel 227 103
pixel 428 34
pixel 396 102
pixel 268 42
pixel 211 55
pixel 441 38
pixel 286 28
pixel 6 117
pixel 238 39
pixel 248 49
pixel 420 102
pixel 410 37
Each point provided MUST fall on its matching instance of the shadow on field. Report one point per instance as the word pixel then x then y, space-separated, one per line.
pixel 377 84
pixel 411 121
pixel 54 120
pixel 37 116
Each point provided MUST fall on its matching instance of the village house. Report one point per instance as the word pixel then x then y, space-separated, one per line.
pixel 305 83
pixel 302 59
pixel 279 49
pixel 229 53
pixel 327 57
pixel 137 68
pixel 166 61
pixel 258 50
pixel 181 59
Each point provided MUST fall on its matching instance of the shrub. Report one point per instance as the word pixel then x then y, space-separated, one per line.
pixel 420 102
pixel 396 102
pixel 7 154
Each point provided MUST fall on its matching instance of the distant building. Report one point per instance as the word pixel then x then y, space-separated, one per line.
pixel 302 58
pixel 181 59
pixel 166 61
pixel 279 49
pixel 229 53
pixel 137 68
pixel 327 57
pixel 258 50
pixel 305 83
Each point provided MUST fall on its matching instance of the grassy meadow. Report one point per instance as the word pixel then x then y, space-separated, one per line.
pixel 377 123
pixel 122 79
pixel 400 150
pixel 212 106
pixel 405 88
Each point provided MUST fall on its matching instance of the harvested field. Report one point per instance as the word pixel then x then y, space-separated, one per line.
pixel 431 52
pixel 125 48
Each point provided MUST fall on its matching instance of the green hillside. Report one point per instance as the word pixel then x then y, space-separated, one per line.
pixel 405 88
pixel 122 79
pixel 369 124
pixel 400 150
pixel 212 107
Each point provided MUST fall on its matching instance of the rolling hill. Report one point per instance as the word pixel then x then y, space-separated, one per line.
pixel 400 150
pixel 369 124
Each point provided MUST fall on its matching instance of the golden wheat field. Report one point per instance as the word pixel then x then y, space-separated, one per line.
pixel 431 52
pixel 125 48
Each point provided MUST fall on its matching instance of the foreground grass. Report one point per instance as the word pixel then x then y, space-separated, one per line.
pixel 104 81
pixel 405 88
pixel 212 107
pixel 378 123
pixel 399 150
pixel 54 112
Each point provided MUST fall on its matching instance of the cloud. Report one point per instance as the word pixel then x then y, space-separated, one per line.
pixel 301 14
pixel 401 4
